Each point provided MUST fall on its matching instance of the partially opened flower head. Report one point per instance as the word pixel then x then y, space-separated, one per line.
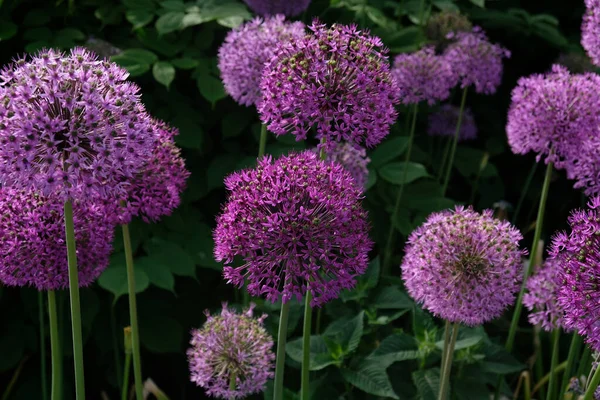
pixel 231 345
pixel 336 80
pixel 477 61
pixel 423 76
pixel 443 123
pixel 246 49
pixel 290 8
pixel 463 266
pixel 33 250
pixel 297 224
pixel 576 252
pixel 354 160
pixel 590 30
pixel 541 298
pixel 70 124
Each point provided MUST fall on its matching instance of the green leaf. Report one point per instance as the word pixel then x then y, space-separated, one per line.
pixel 370 378
pixel 211 88
pixel 446 5
pixel 114 278
pixel 479 3
pixel 346 333
pixel 388 150
pixel 170 22
pixel 364 282
pixel 139 17
pixel 395 172
pixel 320 357
pixel 427 383
pixel 173 5
pixel 499 361
pixel 462 343
pixel 161 334
pixel 159 274
pixel 171 255
pixel 164 73
pixel 185 63
pixel 392 298
pixel 136 61
pixel 7 30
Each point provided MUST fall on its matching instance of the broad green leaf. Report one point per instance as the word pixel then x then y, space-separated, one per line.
pixel 371 179
pixel 173 5
pixel 164 73
pixel 7 30
pixel 161 334
pixel 394 348
pixel 114 278
pixel 142 56
pixel 462 343
pixel 139 4
pixel 395 172
pixel 36 17
pixel 446 5
pixel 479 3
pixel 170 22
pixel 211 88
pixel 320 357
pixel 392 298
pixel 159 274
pixel 427 383
pixel 185 63
pixel 172 256
pixel 499 361
pixel 139 17
pixel 370 378
pixel 388 151
pixel 346 333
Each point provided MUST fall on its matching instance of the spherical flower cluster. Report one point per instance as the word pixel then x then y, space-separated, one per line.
pixel 590 30
pixel 476 61
pixel 156 189
pixel 423 76
pixel 443 123
pixel 231 345
pixel 463 266
pixel 246 49
pixel 272 7
pixel 336 79
pixel 33 251
pixel 70 124
pixel 576 63
pixel 445 23
pixel 579 273
pixel 354 160
pixel 298 224
pixel 541 297
pixel 553 114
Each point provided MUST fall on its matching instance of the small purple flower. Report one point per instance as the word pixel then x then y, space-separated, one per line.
pixel 290 8
pixel 246 49
pixel 33 251
pixel 476 61
pixel 463 266
pixel 298 224
pixel 446 23
pixel 354 160
pixel 423 76
pixel 553 115
pixel 337 80
pixel 541 296
pixel 443 123
pixel 577 254
pixel 231 345
pixel 590 30
pixel 70 124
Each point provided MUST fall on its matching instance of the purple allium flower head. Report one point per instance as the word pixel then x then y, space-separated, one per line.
pixel 553 114
pixel 463 266
pixel 70 124
pixel 590 30
pixel 423 76
pixel 33 251
pixel 336 79
pixel 246 49
pixel 443 123
pixel 541 297
pixel 296 222
pixel 354 160
pixel 156 189
pixel 290 8
pixel 579 273
pixel 231 344
pixel 476 61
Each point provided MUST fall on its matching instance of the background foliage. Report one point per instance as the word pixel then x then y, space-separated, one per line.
pixel 374 342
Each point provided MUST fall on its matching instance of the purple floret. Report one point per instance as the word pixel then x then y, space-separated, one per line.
pixel 590 30
pixel 541 297
pixel 295 222
pixel 463 266
pixel 443 123
pixel 354 160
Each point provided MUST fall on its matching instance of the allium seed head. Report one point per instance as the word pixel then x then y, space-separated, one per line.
pixel 296 222
pixel 590 30
pixel 463 266
pixel 443 123
pixel 33 251
pixel 336 79
pixel 70 124
pixel 290 8
pixel 246 49
pixel 231 344
pixel 541 297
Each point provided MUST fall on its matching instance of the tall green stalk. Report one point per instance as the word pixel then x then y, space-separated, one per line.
pixel 305 376
pixel 455 140
pixel 232 384
pixel 447 330
pixel 133 318
pixel 42 319
pixel 592 385
pixel 262 145
pixel 553 364
pixel 388 247
pixel 534 247
pixel 280 360
pixel 447 367
pixel 55 353
pixel 75 303
pixel 574 350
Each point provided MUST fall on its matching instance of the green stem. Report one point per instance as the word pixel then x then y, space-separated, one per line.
pixel 440 172
pixel 305 377
pixel 13 380
pixel 560 367
pixel 280 361
pixel 126 372
pixel 553 364
pixel 524 191
pixel 135 330
pixel 262 145
pixel 447 329
pixel 592 385
pixel 232 384
pixel 574 350
pixel 55 353
pixel 42 318
pixel 455 140
pixel 534 247
pixel 389 245
pixel 585 362
pixel 75 303
pixel 447 367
